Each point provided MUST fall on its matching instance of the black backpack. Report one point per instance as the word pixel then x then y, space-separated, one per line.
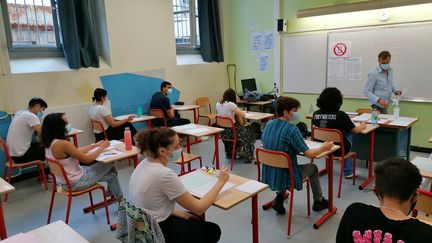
pixel 303 129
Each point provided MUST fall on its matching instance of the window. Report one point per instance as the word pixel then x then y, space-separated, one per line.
pixel 186 26
pixel 31 28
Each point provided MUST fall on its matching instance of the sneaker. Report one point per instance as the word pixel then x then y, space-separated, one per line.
pixel 278 204
pixel 320 205
pixel 350 176
pixel 50 178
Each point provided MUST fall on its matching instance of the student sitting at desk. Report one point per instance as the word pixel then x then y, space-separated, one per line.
pixel 58 147
pixel 161 101
pixel 396 183
pixel 280 135
pixel 113 129
pixel 330 116
pixel 19 137
pixel 156 188
pixel 227 107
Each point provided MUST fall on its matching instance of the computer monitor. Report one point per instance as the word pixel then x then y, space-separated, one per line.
pixel 249 84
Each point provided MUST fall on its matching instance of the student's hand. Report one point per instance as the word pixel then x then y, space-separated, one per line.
pixel 105 144
pixel 99 143
pixel 185 215
pixel 223 174
pixel 382 103
pixel 130 118
pixel 398 92
pixel 326 146
pixel 362 125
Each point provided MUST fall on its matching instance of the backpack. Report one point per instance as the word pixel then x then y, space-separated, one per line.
pixel 303 129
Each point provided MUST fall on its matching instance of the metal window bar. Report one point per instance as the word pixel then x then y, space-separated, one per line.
pixel 27 23
pixel 36 20
pixel 19 23
pixel 45 23
pixel 186 23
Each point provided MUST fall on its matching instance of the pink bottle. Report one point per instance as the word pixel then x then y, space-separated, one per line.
pixel 128 139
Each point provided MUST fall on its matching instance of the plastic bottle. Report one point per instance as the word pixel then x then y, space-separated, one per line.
pixel 374 119
pixel 396 111
pixel 128 139
pixel 139 111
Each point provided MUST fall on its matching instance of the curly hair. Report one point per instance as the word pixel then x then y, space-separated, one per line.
pixel 330 99
pixel 150 140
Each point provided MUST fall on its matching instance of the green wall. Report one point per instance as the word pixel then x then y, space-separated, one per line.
pixel 246 16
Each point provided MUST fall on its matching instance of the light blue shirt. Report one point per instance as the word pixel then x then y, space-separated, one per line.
pixel 379 85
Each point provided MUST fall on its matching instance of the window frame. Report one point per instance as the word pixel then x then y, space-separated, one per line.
pixel 16 52
pixel 192 48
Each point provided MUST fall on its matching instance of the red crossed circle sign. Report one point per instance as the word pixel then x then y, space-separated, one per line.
pixel 340 49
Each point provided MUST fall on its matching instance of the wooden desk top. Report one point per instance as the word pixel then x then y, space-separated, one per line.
pixel 126 154
pixel 142 118
pixel 424 165
pixel 5 187
pixel 231 197
pixel 185 107
pixel 51 233
pixel 369 128
pixel 313 144
pixel 74 131
pixel 196 130
pixel 256 116
pixel 267 102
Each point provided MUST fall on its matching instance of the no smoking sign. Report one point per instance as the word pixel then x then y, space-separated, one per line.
pixel 340 49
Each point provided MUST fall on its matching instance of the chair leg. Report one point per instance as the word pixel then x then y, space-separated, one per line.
pixel 354 166
pixel 42 174
pixel 214 158
pixel 308 197
pixel 106 206
pixel 51 204
pixel 200 160
pixel 290 212
pixel 233 153
pixel 91 202
pixel 340 176
pixel 9 181
pixel 68 209
pixel 4 176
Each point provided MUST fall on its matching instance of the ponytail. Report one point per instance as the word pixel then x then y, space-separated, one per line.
pixel 93 99
pixel 150 140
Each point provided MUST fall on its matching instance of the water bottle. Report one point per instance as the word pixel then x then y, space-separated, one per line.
pixel 128 139
pixel 396 111
pixel 374 119
pixel 139 111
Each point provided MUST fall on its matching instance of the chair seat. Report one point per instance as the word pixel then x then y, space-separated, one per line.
pixel 424 219
pixel 210 116
pixel 77 193
pixel 26 164
pixel 187 158
pixel 348 155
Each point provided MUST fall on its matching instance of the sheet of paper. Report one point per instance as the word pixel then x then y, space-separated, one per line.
pixel 108 154
pixel 248 115
pixel 353 69
pixel 251 186
pixel 195 180
pixel 351 113
pixel 21 238
pixel 111 147
pixel 335 69
pixel 423 163
pixel 263 62
pixel 200 191
pixel 122 117
pixel 197 130
pixel 256 40
pixel 312 144
pixel 363 117
pixel 268 40
pixel 386 116
pixel 403 121
pixel 185 127
pixel 115 142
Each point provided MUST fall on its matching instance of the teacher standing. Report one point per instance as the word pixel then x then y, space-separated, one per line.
pixel 379 86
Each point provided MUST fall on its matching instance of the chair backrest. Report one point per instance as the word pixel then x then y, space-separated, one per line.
pixel 5 150
pixel 158 113
pixel 203 102
pixel 98 126
pixel 226 122
pixel 328 135
pixel 364 110
pixel 273 158
pixel 57 170
pixel 424 201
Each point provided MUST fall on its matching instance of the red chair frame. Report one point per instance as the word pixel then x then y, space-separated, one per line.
pixel 10 165
pixel 226 122
pixel 334 135
pixel 281 160
pixel 205 101
pixel 93 122
pixel 158 113
pixel 56 169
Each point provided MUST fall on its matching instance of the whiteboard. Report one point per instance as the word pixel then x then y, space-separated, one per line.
pixel 411 49
pixel 304 63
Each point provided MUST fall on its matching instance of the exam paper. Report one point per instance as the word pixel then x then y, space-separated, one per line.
pixel 403 121
pixel 122 117
pixel 200 191
pixel 108 154
pixel 197 130
pixel 251 186
pixel 185 127
pixel 363 117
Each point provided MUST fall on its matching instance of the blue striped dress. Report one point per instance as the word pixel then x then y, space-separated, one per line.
pixel 283 136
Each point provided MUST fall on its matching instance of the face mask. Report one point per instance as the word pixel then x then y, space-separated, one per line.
pixel 169 91
pixel 40 114
pixel 175 155
pixel 68 128
pixel 295 116
pixel 385 66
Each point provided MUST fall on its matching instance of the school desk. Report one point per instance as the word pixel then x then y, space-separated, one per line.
pixel 248 104
pixel 137 119
pixel 193 108
pixel 258 116
pixel 73 133
pixel 424 165
pixel 4 188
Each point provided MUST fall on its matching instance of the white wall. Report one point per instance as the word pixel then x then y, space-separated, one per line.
pixel 141 37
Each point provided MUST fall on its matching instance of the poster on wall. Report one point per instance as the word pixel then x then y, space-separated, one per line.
pixel 335 70
pixel 256 41
pixel 353 69
pixel 263 62
pixel 268 40
pixel 340 49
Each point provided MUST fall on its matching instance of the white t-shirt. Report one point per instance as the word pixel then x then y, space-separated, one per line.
pixel 226 109
pixel 154 188
pixel 98 112
pixel 20 132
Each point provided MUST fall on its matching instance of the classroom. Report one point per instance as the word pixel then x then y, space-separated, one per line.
pixel 215 121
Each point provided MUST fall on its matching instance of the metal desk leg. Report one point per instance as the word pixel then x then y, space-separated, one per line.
pixel 371 176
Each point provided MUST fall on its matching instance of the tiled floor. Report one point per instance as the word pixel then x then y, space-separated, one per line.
pixel 28 208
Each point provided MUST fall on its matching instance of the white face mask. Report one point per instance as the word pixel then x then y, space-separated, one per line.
pixel 169 90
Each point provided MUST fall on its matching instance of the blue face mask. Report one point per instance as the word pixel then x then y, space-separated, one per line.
pixel 385 67
pixel 175 155
pixel 169 91
pixel 295 116
pixel 68 128
pixel 40 114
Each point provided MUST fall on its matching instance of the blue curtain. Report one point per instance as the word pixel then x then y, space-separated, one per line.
pixel 77 32
pixel 210 34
